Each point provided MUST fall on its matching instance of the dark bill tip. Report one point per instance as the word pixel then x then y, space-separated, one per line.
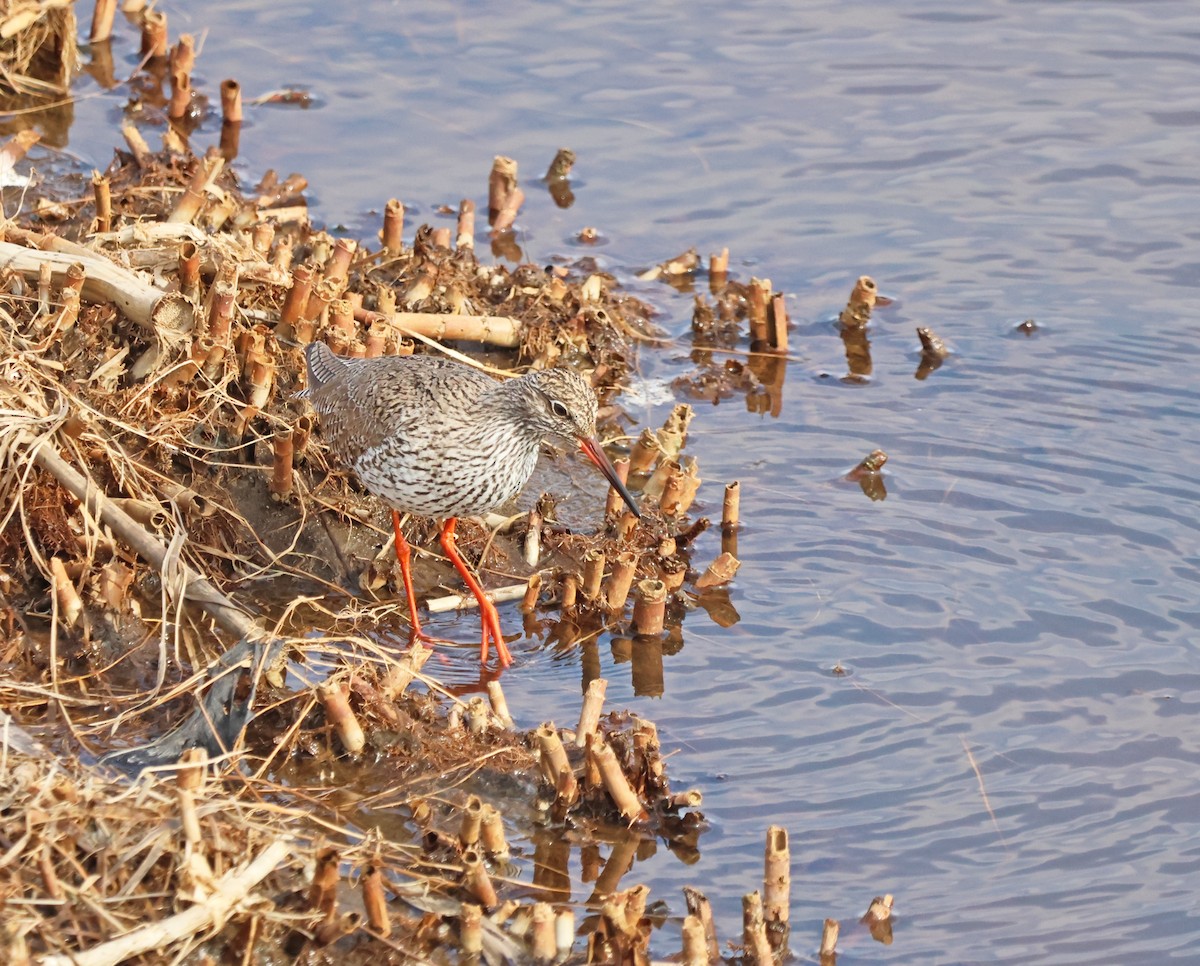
pixel 591 449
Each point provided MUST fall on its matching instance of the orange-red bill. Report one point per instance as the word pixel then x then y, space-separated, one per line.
pixel 591 449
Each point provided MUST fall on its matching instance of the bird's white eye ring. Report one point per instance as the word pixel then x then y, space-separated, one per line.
pixel 559 409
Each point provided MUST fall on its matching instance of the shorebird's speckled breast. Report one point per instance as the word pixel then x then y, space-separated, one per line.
pixel 437 438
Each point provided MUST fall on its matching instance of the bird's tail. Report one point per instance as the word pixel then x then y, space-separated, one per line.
pixel 323 366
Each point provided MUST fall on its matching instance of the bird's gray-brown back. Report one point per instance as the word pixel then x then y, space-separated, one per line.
pixel 437 438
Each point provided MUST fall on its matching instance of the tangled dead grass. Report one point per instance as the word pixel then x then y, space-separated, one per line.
pixel 146 374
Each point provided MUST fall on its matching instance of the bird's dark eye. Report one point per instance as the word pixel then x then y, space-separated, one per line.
pixel 559 409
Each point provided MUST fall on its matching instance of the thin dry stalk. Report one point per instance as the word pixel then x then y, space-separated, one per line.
pixel 553 760
pixel 231 102
pixel 589 715
pixel 102 21
pixel 476 880
pixel 857 312
pixel 719 572
pixel 649 607
pixel 339 714
pixel 593 574
pixel 392 235
pixel 154 34
pixel 615 782
pixel 502 182
pixel 499 704
pixel 645 453
pixel 297 296
pixel 465 237
pixel 731 507
pixel 472 820
pixel 470 931
pixel 138 147
pixel 620 581
pixel 614 501
pixel 542 944
pixel 491 834
pixel 756 946
pixel 695 943
pixel 779 325
pixel 281 470
pixel 375 901
pixel 699 906
pixel 231 889
pixel 829 937
pixel 70 605
pixel 197 190
pixel 777 885
pixel 102 193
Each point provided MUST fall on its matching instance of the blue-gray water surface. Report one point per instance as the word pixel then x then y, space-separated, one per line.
pixel 1009 753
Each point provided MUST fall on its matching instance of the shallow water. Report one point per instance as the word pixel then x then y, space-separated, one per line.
pixel 1010 753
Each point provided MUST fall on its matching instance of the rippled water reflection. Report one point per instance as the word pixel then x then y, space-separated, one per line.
pixel 1023 602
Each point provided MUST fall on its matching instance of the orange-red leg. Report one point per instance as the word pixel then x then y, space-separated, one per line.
pixel 488 616
pixel 404 555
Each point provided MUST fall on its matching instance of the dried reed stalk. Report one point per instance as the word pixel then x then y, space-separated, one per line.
pixel 499 704
pixel 699 906
pixel 102 21
pixel 529 599
pixel 695 943
pixel 472 820
pixel 719 572
pixel 231 102
pixel 476 880
pixel 167 315
pixel 70 605
pixel 645 452
pixel 553 756
pixel 649 607
pixel 502 182
pixel 375 901
pixel 718 269
pixel 857 312
pixel 154 34
pixel 401 674
pixel 470 931
pixel 465 235
pixel 392 235
pixel 730 508
pixel 589 714
pixel 181 96
pixel 570 592
pixel 614 501
pixel 491 834
pixel 777 885
pixel 193 586
pixel 339 714
pixel 542 945
pixel 102 193
pixel 281 468
pixel 297 296
pixel 756 947
pixel 615 782
pixel 620 580
pixel 758 297
pixel 593 574
pixel 499 330
pixel 779 324
pixel 194 194
pixel 228 891
pixel 829 937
